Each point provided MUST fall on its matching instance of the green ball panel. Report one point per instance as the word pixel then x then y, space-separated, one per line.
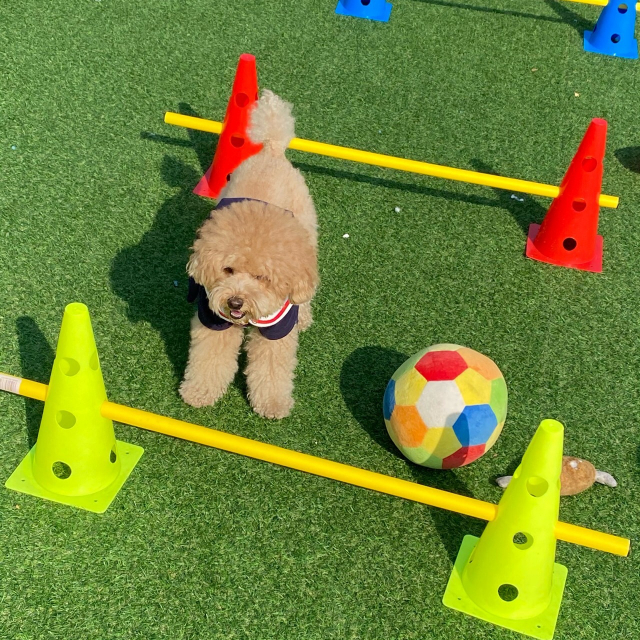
pixel 498 399
pixel 421 456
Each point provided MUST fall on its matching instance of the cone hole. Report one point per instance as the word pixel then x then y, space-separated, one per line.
pixel 69 366
pixel 589 164
pixel 569 244
pixel 112 456
pixel 242 99
pixel 522 540
pixel 615 38
pixel 622 8
pixel 93 361
pixel 65 419
pixel 61 470
pixel 508 592
pixel 365 2
pixel 537 486
pixel 237 141
pixel 579 204
pixel 228 177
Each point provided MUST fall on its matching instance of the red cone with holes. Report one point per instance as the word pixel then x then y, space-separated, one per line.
pixel 568 235
pixel 234 146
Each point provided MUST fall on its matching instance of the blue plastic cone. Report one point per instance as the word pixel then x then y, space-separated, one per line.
pixel 372 9
pixel 614 31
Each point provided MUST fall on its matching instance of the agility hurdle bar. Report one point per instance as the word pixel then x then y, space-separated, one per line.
pixel 600 3
pixel 319 466
pixel 391 162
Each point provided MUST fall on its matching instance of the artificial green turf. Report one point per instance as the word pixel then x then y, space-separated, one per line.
pixel 96 206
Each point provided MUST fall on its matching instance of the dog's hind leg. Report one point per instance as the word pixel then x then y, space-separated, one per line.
pixel 213 362
pixel 270 369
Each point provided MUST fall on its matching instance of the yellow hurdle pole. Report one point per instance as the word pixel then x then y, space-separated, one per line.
pixel 318 466
pixel 391 162
pixel 600 3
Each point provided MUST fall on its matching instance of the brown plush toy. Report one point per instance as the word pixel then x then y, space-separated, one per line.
pixel 577 476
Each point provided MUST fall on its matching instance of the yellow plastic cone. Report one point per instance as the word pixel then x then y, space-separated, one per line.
pixel 508 576
pixel 77 459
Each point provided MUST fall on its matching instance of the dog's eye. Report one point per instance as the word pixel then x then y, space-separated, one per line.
pixel 262 278
pixel 228 271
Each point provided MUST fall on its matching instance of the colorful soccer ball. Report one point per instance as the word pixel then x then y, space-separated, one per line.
pixel 445 406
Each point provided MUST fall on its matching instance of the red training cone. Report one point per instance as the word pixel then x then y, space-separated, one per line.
pixel 568 235
pixel 234 146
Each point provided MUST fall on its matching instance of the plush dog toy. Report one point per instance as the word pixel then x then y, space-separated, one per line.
pixel 577 476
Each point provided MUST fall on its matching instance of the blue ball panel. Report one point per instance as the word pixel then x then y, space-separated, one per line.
pixel 389 401
pixel 475 424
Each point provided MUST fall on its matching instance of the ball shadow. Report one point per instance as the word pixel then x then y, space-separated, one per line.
pixel 363 380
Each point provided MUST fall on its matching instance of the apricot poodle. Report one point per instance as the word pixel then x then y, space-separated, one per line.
pixel 254 266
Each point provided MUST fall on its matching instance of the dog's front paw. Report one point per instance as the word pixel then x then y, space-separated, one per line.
pixel 196 394
pixel 274 408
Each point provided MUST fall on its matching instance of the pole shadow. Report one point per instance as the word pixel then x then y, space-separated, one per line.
pixel 363 393
pixel 569 17
pixel 564 17
pixel 36 360
pixel 408 186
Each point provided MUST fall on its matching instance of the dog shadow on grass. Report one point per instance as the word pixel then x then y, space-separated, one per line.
pixel 363 379
pixel 36 360
pixel 150 276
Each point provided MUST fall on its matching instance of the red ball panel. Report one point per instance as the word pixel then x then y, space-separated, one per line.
pixel 463 456
pixel 441 365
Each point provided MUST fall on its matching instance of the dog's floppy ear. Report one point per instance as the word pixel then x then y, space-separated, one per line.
pixel 202 265
pixel 305 280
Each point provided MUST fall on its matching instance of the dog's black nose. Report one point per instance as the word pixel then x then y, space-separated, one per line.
pixel 235 302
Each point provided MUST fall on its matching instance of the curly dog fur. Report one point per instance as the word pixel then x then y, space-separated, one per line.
pixel 251 257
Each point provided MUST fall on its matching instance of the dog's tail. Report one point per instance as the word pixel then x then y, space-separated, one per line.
pixel 272 123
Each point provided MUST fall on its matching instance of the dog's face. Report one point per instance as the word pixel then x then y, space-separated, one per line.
pixel 250 258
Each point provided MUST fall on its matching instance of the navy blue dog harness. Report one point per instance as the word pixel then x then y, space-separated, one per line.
pixel 274 327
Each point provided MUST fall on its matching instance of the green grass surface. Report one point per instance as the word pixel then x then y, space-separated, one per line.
pixel 96 206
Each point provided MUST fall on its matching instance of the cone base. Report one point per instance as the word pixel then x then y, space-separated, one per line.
pixel 381 14
pixel 630 51
pixel 203 189
pixel 594 265
pixel 541 627
pixel 22 480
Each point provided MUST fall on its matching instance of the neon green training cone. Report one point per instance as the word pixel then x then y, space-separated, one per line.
pixel 77 459
pixel 508 576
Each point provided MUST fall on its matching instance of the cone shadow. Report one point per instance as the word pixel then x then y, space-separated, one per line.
pixel 363 396
pixel 629 158
pixel 523 212
pixel 202 142
pixel 36 360
pixel 143 275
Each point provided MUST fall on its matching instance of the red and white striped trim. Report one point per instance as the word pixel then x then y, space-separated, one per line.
pixel 265 321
